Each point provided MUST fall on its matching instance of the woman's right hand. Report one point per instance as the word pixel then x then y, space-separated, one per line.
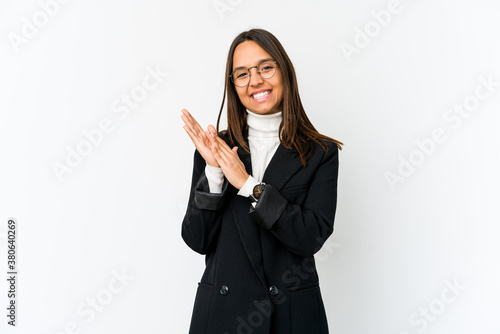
pixel 199 137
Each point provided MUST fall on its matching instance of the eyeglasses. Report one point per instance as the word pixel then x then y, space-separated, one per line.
pixel 266 70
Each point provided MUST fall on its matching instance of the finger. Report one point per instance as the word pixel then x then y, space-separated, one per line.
pixel 188 123
pixel 220 160
pixel 189 127
pixel 211 133
pixel 223 146
pixel 187 113
pixel 194 137
pixel 211 128
pixel 221 142
pixel 227 157
pixel 186 117
pixel 220 148
pixel 194 124
pixel 221 151
pixel 197 138
pixel 213 143
pixel 215 140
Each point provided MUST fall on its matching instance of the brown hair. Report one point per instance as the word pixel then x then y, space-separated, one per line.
pixel 295 128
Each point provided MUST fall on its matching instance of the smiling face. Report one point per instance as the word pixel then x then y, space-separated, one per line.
pixel 261 96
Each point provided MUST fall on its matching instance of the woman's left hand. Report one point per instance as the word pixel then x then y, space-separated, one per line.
pixel 227 158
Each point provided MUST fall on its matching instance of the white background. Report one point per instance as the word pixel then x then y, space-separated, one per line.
pixel 120 208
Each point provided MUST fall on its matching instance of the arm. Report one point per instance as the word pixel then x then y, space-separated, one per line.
pixel 302 229
pixel 201 223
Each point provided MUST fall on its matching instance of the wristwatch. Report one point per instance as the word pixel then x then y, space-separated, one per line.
pixel 257 191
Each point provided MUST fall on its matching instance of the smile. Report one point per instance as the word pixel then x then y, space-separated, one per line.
pixel 259 97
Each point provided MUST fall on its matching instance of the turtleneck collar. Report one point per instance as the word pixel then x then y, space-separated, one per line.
pixel 263 125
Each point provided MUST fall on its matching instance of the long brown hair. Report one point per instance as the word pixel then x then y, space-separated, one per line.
pixel 295 129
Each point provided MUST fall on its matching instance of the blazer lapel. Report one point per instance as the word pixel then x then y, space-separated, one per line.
pixel 248 230
pixel 282 167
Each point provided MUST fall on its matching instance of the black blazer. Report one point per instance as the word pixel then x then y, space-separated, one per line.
pixel 260 274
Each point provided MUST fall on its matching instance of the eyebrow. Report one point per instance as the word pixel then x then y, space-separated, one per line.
pixel 260 61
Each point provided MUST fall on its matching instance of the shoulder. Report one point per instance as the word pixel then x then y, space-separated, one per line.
pixel 326 151
pixel 326 147
pixel 330 143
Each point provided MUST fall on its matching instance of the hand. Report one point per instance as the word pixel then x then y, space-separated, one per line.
pixel 199 137
pixel 227 158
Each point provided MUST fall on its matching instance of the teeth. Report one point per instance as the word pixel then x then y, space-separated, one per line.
pixel 261 95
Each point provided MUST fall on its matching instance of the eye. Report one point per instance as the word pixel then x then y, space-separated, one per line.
pixel 267 66
pixel 239 72
pixel 241 75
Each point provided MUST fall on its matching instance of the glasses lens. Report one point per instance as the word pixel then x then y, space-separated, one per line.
pixel 267 69
pixel 241 77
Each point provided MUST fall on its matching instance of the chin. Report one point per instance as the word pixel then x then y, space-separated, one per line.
pixel 263 110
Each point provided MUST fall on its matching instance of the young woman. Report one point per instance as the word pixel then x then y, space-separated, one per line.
pixel 262 201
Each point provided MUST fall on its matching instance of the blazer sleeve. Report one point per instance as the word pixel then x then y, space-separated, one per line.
pixel 303 229
pixel 201 223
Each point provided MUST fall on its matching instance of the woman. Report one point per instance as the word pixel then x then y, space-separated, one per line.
pixel 262 201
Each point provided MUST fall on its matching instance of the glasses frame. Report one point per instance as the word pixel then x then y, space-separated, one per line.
pixel 250 73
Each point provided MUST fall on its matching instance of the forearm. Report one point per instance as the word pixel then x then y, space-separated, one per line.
pixel 304 224
pixel 201 222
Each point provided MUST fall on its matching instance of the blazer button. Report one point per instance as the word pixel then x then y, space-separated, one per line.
pixel 224 290
pixel 273 290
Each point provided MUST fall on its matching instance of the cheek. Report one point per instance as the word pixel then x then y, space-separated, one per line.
pixel 278 86
pixel 279 91
pixel 241 94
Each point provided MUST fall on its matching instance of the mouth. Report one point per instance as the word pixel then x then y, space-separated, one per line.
pixel 261 95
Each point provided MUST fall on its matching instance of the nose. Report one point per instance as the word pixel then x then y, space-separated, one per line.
pixel 255 78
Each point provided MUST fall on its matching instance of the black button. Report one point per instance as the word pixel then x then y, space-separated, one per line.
pixel 224 290
pixel 274 290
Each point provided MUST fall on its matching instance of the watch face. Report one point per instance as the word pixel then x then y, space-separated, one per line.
pixel 258 189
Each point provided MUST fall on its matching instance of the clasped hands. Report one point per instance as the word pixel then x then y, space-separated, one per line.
pixel 215 151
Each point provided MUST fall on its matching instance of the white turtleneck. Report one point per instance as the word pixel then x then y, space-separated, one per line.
pixel 263 139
